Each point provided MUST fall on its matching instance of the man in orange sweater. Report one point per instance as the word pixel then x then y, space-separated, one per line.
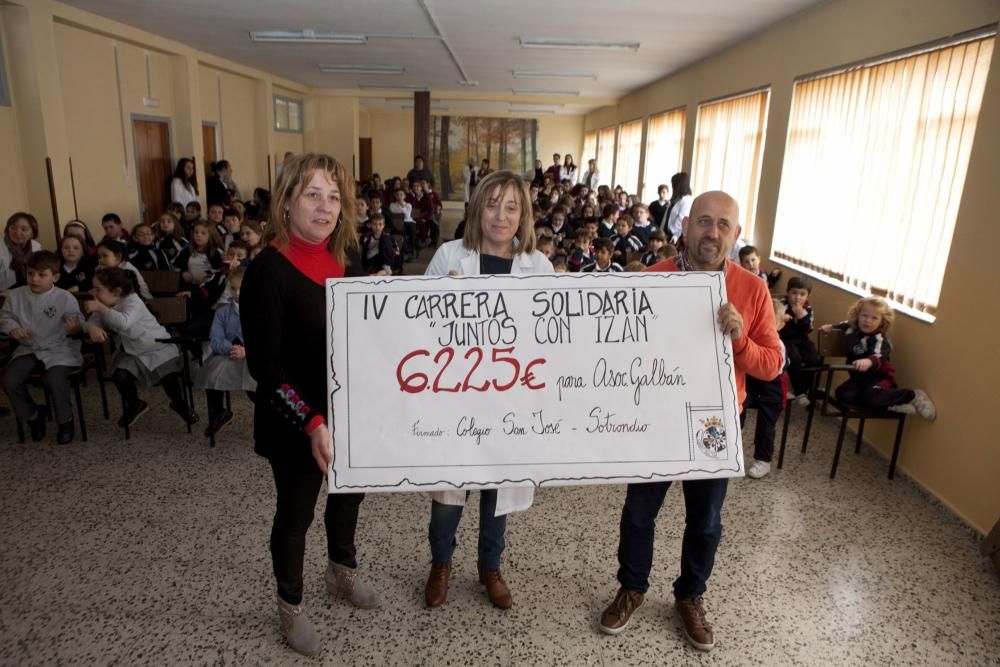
pixel 709 233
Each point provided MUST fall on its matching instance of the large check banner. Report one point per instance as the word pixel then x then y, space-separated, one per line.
pixel 441 383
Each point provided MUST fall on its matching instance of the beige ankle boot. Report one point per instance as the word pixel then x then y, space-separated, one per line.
pixel 344 582
pixel 297 629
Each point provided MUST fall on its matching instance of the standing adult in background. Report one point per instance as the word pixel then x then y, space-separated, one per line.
pixel 484 169
pixel 591 178
pixel 680 205
pixel 221 186
pixel 184 184
pixel 658 209
pixel 555 170
pixel 311 237
pixel 470 175
pixel 419 172
pixel 18 244
pixel 568 171
pixel 499 238
pixel 748 319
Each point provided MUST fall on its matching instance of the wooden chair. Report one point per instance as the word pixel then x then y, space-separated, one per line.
pixel 398 230
pixel 162 283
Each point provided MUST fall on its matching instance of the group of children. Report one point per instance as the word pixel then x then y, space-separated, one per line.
pixel 414 203
pixel 94 291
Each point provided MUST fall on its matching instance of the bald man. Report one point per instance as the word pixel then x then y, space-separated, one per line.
pixel 709 232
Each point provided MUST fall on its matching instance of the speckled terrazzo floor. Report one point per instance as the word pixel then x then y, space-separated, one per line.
pixel 155 552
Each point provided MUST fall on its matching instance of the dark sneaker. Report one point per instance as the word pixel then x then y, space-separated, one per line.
pixel 697 629
pixel 217 423
pixel 132 415
pixel 65 434
pixel 615 618
pixel 37 426
pixel 187 414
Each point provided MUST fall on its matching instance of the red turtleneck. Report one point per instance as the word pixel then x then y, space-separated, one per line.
pixel 313 260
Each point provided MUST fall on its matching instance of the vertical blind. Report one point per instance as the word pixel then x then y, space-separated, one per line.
pixel 589 152
pixel 874 169
pixel 606 154
pixel 664 149
pixel 627 156
pixel 728 146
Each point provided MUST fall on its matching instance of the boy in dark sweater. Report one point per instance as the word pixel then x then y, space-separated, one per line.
pixel 795 335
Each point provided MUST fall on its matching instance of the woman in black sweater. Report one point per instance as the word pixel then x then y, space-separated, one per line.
pixel 311 238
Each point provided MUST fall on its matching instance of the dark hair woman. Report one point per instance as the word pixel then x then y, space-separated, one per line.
pixel 680 204
pixel 311 237
pixel 184 184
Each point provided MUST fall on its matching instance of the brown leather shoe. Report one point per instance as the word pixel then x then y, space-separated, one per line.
pixel 697 629
pixel 436 591
pixel 616 617
pixel 496 588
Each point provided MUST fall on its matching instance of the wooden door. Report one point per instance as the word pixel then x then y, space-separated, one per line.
pixel 152 159
pixel 208 144
pixel 364 158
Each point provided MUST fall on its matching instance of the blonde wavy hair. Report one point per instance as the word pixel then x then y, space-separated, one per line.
pixel 295 175
pixel 887 313
pixel 492 188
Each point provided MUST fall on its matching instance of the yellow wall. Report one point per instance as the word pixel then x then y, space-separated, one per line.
pixel 392 142
pixel 237 126
pixel 560 134
pixel 13 191
pixel 956 457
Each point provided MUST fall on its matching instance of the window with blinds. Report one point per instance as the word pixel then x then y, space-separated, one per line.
pixel 874 169
pixel 728 147
pixel 627 155
pixel 589 151
pixel 664 149
pixel 606 154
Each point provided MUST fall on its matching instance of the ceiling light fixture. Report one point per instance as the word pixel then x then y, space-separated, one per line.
pixel 532 91
pixel 519 110
pixel 392 86
pixel 533 105
pixel 468 84
pixel 548 74
pixel 362 69
pixel 563 43
pixel 307 37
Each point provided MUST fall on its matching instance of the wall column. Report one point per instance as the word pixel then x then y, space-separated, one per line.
pixel 422 124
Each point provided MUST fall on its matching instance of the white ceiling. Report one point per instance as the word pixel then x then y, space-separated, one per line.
pixel 482 34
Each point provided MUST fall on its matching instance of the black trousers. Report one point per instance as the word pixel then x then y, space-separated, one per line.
pixel 297 490
pixel 801 352
pixel 858 390
pixel 125 382
pixel 216 400
pixel 766 396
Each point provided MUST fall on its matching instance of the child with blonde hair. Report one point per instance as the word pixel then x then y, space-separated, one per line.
pixel 872 382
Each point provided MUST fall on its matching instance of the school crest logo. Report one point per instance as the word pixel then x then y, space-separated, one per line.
pixel 50 311
pixel 712 437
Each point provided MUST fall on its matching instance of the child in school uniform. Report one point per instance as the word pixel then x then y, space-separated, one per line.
pixel 657 239
pixel 76 267
pixel 251 232
pixel 602 258
pixel 170 241
pixel 111 254
pixel 749 259
pixel 41 317
pixel 231 226
pixel 872 382
pixel 581 255
pixel 225 369
pixel 402 207
pixel 203 298
pixel 139 360
pixel 202 256
pixel 624 241
pixel 768 396
pixel 378 249
pixel 795 335
pixel 113 228
pixel 143 253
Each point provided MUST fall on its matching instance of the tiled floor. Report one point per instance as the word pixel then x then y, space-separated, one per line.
pixel 155 552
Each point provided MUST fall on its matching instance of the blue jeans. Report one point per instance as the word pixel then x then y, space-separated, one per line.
pixel 703 500
pixel 444 525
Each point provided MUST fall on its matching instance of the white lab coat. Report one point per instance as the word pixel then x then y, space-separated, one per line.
pixel 181 193
pixel 452 256
pixel 43 315
pixel 681 210
pixel 137 331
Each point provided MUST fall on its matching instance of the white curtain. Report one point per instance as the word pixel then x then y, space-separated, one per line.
pixel 664 149
pixel 728 146
pixel 627 155
pixel 606 154
pixel 874 170
pixel 589 153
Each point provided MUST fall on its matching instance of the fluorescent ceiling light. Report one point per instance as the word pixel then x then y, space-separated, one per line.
pixel 520 110
pixel 468 84
pixel 391 86
pixel 563 43
pixel 307 37
pixel 532 91
pixel 533 105
pixel 362 69
pixel 434 107
pixel 549 74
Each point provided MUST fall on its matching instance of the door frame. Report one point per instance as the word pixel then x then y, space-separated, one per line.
pixel 135 153
pixel 214 124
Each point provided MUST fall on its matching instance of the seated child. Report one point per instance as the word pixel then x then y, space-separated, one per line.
pixel 795 335
pixel 362 221
pixel 139 359
pixel 232 224
pixel 657 239
pixel 602 258
pixel 379 249
pixel 114 230
pixel 624 241
pixel 750 260
pixel 169 240
pixel 560 228
pixel 546 247
pixel 202 256
pixel 431 209
pixel 143 253
pixel 580 257
pixel 203 297
pixel 768 396
pixel 559 264
pixel 40 317
pixel 642 228
pixel 215 215
pixel 76 267
pixel 251 232
pixel 609 215
pixel 112 254
pixel 81 231
pixel 225 369
pixel 872 382
pixel 634 267
pixel 666 252
pixel 192 214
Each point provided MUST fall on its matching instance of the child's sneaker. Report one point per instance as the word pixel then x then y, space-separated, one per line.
pixel 802 401
pixel 186 412
pixel 923 404
pixel 759 469
pixel 903 408
pixel 216 423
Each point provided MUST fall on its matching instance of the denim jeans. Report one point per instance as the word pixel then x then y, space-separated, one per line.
pixel 444 525
pixel 703 500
